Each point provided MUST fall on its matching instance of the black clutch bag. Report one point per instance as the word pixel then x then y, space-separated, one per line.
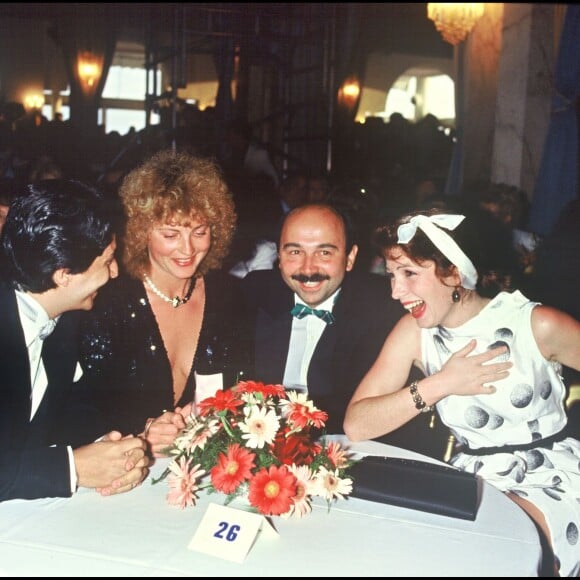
pixel 419 485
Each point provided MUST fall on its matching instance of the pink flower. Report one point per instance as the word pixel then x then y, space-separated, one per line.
pixel 198 439
pixel 183 482
pixel 337 454
pixel 305 487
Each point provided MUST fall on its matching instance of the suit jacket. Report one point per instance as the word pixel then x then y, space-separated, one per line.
pixel 33 456
pixel 364 315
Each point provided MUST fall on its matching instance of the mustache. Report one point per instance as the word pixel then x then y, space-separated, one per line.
pixel 303 278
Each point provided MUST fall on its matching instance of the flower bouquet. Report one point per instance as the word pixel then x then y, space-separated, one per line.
pixel 254 441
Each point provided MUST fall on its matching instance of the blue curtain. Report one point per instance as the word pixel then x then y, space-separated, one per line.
pixel 557 182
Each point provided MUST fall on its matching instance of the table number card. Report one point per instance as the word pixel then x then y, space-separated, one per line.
pixel 229 533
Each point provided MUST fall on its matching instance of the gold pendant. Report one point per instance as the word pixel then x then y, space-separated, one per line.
pixel 432 421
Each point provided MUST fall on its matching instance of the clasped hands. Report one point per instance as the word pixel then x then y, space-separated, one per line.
pixel 161 431
pixel 114 464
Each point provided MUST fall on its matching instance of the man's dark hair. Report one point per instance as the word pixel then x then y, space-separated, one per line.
pixel 52 225
pixel 343 214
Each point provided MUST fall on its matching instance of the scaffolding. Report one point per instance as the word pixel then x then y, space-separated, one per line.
pixel 280 59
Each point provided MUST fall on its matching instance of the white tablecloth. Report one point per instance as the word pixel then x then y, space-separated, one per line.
pixel 139 534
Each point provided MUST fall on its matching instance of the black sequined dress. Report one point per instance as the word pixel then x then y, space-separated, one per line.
pixel 125 361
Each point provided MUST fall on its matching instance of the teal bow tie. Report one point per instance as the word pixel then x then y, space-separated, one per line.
pixel 301 310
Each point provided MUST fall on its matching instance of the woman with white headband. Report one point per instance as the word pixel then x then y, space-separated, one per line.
pixel 491 370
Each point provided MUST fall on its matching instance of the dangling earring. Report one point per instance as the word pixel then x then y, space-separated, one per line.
pixel 455 296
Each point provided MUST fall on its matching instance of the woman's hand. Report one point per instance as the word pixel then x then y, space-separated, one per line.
pixel 161 431
pixel 467 374
pixel 186 411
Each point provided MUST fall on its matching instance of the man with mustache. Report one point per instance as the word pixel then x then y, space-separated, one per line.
pixel 329 350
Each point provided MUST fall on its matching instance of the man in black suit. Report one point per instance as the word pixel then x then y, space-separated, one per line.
pixel 328 353
pixel 57 249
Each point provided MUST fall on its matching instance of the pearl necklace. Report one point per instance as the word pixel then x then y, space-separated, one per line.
pixel 175 302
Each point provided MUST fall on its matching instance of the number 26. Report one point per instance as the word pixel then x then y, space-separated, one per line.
pixel 227 531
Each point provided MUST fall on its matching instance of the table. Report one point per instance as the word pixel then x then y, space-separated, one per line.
pixel 139 534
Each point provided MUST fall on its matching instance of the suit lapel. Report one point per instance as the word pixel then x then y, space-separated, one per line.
pixel 15 385
pixel 323 364
pixel 332 333
pixel 273 327
pixel 272 338
pixel 59 355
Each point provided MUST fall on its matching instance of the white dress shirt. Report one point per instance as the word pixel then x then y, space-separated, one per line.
pixel 257 160
pixel 304 337
pixel 37 326
pixel 263 257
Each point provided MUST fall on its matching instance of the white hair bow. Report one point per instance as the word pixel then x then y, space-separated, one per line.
pixel 442 241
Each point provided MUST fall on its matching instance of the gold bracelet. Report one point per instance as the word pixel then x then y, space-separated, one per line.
pixel 147 427
pixel 420 404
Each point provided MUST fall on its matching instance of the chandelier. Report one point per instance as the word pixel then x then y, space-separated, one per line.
pixel 454 20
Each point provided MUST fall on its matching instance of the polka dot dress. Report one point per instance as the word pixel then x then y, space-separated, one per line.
pixel 527 407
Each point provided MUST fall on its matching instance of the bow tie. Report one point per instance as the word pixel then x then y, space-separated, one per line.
pixel 47 329
pixel 301 310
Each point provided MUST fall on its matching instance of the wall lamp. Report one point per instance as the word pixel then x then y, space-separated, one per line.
pixel 33 101
pixel 349 92
pixel 89 69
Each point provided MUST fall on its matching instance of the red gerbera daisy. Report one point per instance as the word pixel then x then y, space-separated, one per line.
pixel 232 468
pixel 222 401
pixel 295 448
pixel 272 490
pixel 301 415
pixel 265 390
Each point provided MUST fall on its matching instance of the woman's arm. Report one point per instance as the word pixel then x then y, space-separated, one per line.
pixel 382 403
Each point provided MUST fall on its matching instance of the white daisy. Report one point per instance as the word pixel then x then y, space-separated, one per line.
pixel 260 427
pixel 329 484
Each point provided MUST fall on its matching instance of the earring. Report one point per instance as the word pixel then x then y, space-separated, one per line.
pixel 455 296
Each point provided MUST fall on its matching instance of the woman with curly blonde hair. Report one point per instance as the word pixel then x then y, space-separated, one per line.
pixel 174 187
pixel 169 332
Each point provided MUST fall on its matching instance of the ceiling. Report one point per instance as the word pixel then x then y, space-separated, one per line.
pixel 401 27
